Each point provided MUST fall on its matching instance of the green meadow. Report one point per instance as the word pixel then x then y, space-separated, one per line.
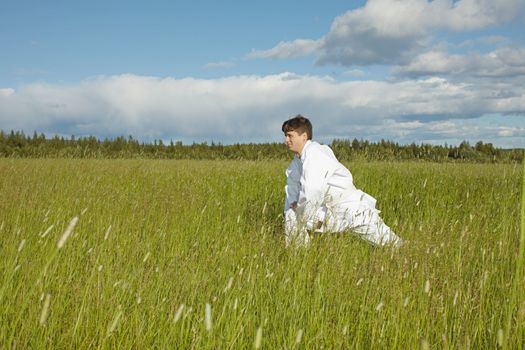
pixel 140 254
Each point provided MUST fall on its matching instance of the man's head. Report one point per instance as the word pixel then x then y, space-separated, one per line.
pixel 297 131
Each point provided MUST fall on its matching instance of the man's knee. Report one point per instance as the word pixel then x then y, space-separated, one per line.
pixel 369 225
pixel 289 213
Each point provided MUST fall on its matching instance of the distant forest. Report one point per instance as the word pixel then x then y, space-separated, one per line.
pixel 16 144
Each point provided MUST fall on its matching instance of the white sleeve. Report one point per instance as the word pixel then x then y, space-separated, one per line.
pixel 317 168
pixel 293 185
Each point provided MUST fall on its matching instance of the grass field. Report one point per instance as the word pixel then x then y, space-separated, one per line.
pixel 190 254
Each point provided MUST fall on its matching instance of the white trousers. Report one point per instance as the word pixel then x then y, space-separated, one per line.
pixel 361 219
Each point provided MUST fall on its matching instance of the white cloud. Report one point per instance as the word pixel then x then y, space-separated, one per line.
pixel 288 49
pixel 450 131
pixel 219 65
pixel 356 73
pixel 492 40
pixel 506 131
pixel 250 108
pixel 503 62
pixel 6 92
pixel 389 31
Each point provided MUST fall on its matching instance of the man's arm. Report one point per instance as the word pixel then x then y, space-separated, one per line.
pixel 293 185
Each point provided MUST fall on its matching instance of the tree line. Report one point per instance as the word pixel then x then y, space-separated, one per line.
pixel 16 144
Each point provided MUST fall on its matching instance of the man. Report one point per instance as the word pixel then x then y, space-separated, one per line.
pixel 321 196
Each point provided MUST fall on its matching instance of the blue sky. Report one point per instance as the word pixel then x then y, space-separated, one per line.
pixel 232 71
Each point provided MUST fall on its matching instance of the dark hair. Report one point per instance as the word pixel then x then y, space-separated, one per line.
pixel 298 124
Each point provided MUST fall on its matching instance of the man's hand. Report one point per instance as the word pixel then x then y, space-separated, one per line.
pixel 293 205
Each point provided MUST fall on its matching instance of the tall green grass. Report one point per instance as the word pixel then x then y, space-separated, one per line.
pixel 190 254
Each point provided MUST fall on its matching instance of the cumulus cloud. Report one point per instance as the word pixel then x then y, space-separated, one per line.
pixel 511 131
pixel 390 31
pixel 450 131
pixel 249 108
pixel 6 92
pixel 501 63
pixel 492 40
pixel 288 49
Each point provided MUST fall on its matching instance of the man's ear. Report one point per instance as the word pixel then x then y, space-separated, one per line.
pixel 304 136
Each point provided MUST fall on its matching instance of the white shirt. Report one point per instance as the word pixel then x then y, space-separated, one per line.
pixel 316 179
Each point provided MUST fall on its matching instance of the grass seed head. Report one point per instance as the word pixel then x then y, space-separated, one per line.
pixel 228 285
pixel 424 344
pixel 427 287
pixel 178 314
pixel 299 336
pixel 47 231
pixel 45 310
pixel 67 232
pixel 500 338
pixel 106 235
pixel 258 338
pixel 21 245
pixel 379 306
pixel 207 318
pixel 189 310
pixel 114 323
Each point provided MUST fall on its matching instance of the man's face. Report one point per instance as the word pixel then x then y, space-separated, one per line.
pixel 294 141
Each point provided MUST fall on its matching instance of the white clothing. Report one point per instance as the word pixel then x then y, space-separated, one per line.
pixel 324 191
